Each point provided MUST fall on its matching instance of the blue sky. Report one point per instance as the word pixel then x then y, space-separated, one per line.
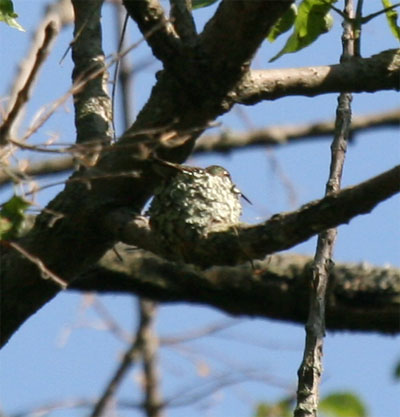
pixel 40 364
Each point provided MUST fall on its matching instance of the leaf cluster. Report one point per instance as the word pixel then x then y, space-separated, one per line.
pixel 312 18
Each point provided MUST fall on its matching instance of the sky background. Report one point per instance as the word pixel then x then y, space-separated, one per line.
pixel 64 352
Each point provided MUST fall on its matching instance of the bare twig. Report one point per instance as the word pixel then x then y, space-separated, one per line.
pixel 110 322
pixel 310 371
pixel 371 16
pixel 45 272
pixel 60 14
pixel 123 70
pixel 50 32
pixel 285 134
pixel 208 330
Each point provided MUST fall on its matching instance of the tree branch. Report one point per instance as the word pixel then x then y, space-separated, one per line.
pixel 284 134
pixel 182 19
pixel 360 297
pixel 227 141
pixel 379 72
pixel 57 15
pixel 152 404
pixel 236 30
pixel 150 17
pixel 282 231
pixel 131 355
pixel 310 370
pixel 93 113
pixel 77 231
pixel 50 33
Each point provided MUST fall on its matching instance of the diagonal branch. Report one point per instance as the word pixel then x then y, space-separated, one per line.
pixel 237 29
pixel 282 231
pixel 182 19
pixel 23 96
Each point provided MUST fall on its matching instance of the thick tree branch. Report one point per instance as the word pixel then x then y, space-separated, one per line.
pixel 361 297
pixel 238 27
pixel 379 72
pixel 182 19
pixel 158 31
pixel 72 227
pixel 282 231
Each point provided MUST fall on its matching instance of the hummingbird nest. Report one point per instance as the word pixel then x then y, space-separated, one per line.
pixel 190 204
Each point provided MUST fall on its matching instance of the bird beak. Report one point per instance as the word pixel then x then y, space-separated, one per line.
pixel 246 199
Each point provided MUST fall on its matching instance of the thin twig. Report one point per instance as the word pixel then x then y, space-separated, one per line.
pixel 310 371
pixel 50 32
pixel 80 84
pixel 379 12
pixel 123 71
pixel 45 272
pixel 61 14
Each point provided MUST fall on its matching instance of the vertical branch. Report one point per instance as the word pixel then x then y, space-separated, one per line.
pixel 310 370
pixel 93 114
pixel 152 400
pixel 123 70
pixel 131 355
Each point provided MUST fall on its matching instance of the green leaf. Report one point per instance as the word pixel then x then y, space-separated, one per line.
pixel 396 371
pixel 197 4
pixel 283 24
pixel 343 404
pixel 313 19
pixel 12 216
pixel 281 408
pixel 7 15
pixel 392 16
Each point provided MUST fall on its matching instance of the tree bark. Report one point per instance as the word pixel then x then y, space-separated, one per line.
pixel 361 297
